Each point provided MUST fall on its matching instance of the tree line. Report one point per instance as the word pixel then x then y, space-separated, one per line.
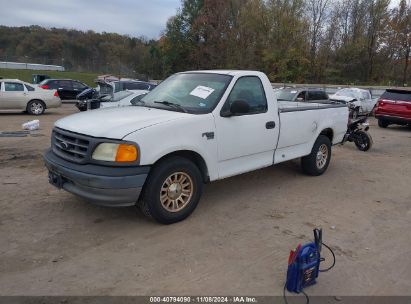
pixel 306 41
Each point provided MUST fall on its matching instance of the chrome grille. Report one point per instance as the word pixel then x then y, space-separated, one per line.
pixel 70 146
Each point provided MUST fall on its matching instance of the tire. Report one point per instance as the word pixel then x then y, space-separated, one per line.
pixel 36 107
pixel 363 140
pixel 310 165
pixel 355 113
pixel 168 201
pixel 382 123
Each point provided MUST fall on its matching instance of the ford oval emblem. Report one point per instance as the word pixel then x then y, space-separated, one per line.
pixel 64 145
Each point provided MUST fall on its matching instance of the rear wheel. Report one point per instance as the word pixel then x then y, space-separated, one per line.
pixel 36 107
pixel 172 190
pixel 382 123
pixel 316 163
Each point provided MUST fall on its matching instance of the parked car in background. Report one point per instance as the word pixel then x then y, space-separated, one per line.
pixel 110 87
pixel 361 100
pixel 123 99
pixel 302 95
pixel 19 95
pixel 119 99
pixel 394 107
pixel 67 89
pixel 37 78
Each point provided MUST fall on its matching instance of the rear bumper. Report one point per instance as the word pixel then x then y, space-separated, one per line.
pixel 393 119
pixel 53 102
pixel 107 186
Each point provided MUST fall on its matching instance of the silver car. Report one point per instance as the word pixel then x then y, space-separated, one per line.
pixel 19 95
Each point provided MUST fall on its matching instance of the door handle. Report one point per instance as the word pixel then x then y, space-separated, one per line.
pixel 270 125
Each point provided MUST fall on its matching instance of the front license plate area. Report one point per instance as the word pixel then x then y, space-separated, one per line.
pixel 55 179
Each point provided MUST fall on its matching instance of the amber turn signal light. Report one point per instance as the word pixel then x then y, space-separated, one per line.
pixel 126 153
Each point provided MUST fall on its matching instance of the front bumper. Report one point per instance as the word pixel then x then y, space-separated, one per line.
pixel 107 186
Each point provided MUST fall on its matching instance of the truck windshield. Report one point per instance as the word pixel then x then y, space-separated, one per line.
pixel 196 93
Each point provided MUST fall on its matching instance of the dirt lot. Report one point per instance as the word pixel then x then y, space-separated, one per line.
pixel 236 242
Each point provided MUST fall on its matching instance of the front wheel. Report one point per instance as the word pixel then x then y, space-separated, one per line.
pixel 172 190
pixel 316 163
pixel 363 140
pixel 355 113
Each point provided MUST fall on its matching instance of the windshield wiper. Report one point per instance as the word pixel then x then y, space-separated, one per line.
pixel 172 105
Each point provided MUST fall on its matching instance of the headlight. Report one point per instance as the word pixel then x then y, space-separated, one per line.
pixel 115 152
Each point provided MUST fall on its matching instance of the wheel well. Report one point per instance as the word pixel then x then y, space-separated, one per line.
pixel 35 99
pixel 196 158
pixel 329 133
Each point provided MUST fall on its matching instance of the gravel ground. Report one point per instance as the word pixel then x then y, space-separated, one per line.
pixel 236 242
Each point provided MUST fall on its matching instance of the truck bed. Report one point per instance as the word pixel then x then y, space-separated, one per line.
pixel 300 121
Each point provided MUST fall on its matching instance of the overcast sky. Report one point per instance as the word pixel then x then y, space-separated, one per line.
pixel 133 17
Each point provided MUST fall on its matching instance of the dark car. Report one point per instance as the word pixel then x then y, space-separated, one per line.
pixel 67 89
pixel 302 95
pixel 394 107
pixel 122 85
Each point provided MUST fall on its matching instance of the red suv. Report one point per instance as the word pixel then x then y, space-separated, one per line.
pixel 394 107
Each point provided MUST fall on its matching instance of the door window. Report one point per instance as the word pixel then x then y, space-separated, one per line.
pixel 52 84
pixel 301 95
pixel 13 87
pixel 136 86
pixel 366 95
pixel 65 84
pixel 251 90
pixel 78 85
pixel 316 95
pixel 29 88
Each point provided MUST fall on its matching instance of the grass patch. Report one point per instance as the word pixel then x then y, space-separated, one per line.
pixel 26 75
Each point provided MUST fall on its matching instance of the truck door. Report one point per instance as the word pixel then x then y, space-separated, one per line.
pixel 246 142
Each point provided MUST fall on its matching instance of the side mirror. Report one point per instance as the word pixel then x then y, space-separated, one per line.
pixel 237 108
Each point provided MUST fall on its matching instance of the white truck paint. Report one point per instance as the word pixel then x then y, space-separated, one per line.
pixel 219 144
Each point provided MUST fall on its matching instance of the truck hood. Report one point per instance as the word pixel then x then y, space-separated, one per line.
pixel 342 98
pixel 116 123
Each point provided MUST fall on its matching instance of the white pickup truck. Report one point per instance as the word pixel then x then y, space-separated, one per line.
pixel 194 128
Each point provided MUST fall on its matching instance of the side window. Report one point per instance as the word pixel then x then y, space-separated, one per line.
pixel 251 90
pixel 78 85
pixel 65 84
pixel 53 84
pixel 366 95
pixel 29 88
pixel 301 95
pixel 136 86
pixel 13 87
pixel 317 95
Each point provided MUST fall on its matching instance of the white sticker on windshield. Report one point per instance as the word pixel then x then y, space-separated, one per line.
pixel 202 92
